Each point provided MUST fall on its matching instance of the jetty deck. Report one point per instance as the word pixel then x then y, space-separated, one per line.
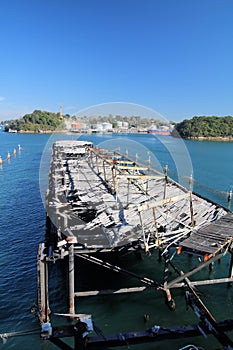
pixel 100 201
pixel 103 201
pixel 212 238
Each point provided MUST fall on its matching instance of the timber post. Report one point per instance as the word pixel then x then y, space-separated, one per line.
pixel 165 181
pixel 128 191
pixel 43 301
pixel 168 297
pixel 71 280
pixel 231 266
pixel 191 201
pixel 105 177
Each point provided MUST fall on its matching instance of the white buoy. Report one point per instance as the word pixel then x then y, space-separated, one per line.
pixel 19 147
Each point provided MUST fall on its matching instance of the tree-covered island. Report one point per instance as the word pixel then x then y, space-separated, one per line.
pixel 37 121
pixel 203 127
pixel 43 121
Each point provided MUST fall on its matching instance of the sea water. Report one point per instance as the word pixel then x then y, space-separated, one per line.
pixel 23 182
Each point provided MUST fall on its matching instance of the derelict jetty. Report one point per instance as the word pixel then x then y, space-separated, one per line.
pixel 101 202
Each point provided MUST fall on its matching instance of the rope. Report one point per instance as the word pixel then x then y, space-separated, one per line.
pixel 200 185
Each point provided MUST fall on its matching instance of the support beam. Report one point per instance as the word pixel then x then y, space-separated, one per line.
pixel 204 282
pixel 142 177
pixel 146 281
pixel 200 267
pixel 111 291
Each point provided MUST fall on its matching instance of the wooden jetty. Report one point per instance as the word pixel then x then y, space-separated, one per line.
pixel 99 201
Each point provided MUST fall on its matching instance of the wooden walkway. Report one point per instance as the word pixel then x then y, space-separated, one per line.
pixel 212 238
pixel 104 201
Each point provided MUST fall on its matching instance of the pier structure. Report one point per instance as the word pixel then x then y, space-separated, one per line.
pixel 99 201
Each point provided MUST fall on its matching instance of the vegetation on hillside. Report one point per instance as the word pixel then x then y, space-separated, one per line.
pixel 205 127
pixel 38 121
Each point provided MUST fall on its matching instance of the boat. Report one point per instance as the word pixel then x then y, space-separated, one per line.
pixel 159 132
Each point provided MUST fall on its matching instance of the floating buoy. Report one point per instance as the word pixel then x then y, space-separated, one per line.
pixel 19 148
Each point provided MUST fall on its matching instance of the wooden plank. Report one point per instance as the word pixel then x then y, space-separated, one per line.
pixel 111 291
pixel 133 168
pixel 162 202
pixel 135 177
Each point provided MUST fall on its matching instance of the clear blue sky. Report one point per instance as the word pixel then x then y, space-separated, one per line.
pixel 174 56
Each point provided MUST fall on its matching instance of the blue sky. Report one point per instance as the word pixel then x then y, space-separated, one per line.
pixel 173 56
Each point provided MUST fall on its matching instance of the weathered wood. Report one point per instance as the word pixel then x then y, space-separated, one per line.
pixel 131 168
pixel 211 238
pixel 111 291
pixel 195 270
pixel 71 280
pixel 139 176
pixel 43 300
pixel 203 283
pixel 162 202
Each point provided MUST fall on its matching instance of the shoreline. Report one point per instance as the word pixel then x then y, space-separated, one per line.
pixel 196 138
pixel 211 138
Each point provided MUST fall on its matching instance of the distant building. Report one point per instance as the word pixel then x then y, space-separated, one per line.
pixel 76 127
pixel 125 124
pixel 107 126
pixel 97 127
pixel 117 124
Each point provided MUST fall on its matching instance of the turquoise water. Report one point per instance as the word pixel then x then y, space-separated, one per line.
pixel 23 182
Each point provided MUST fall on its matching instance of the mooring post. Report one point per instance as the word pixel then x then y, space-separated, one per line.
pixel 229 198
pixel 149 160
pixel 71 280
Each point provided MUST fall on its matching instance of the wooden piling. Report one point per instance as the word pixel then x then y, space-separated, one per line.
pixel 71 280
pixel 165 181
pixel 168 297
pixel 43 301
pixel 231 268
